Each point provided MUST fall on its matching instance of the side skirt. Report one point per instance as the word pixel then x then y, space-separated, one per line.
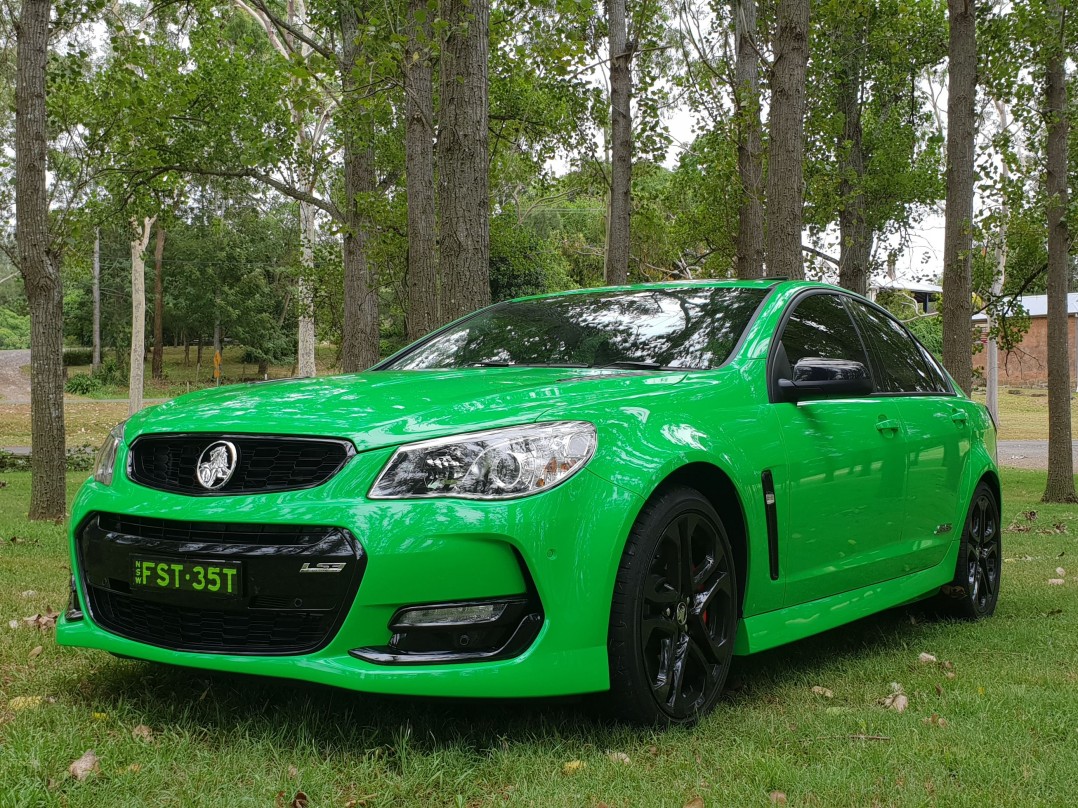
pixel 771 629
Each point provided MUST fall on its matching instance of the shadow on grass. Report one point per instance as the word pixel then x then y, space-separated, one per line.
pixel 286 713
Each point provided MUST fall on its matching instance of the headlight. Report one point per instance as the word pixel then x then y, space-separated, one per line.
pixel 106 455
pixel 497 464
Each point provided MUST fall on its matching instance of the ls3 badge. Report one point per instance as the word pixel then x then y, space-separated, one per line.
pixel 324 566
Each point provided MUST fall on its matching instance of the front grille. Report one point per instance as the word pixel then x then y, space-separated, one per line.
pixel 281 611
pixel 264 463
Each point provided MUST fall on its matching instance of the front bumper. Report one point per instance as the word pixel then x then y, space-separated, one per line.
pixel 562 547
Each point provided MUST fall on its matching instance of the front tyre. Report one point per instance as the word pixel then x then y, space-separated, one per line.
pixel 674 613
pixel 975 589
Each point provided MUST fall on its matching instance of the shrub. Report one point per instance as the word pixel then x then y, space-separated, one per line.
pixel 78 356
pixel 83 384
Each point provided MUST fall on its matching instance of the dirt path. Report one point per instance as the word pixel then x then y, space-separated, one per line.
pixel 1028 454
pixel 14 386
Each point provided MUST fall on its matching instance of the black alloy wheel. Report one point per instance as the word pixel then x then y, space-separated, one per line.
pixel 975 590
pixel 674 613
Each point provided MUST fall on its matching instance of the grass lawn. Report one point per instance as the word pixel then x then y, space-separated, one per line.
pixel 1023 413
pixel 991 722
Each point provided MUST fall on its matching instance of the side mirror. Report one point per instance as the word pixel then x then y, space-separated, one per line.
pixel 817 376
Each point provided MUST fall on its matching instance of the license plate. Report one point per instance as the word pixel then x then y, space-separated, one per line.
pixel 219 578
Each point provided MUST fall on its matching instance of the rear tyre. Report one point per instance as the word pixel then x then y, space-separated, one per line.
pixel 674 613
pixel 975 589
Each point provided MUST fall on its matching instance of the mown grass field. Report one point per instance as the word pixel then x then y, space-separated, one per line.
pixel 993 721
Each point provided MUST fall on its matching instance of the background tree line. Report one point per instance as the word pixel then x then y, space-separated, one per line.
pixel 276 173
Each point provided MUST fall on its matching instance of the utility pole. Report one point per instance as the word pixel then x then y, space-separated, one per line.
pixel 97 301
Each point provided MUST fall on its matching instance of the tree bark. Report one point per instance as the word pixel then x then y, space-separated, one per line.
pixel 138 312
pixel 40 270
pixel 749 261
pixel 855 236
pixel 97 301
pixel 360 333
pixel 616 269
pixel 785 175
pixel 158 365
pixel 463 184
pixel 1060 486
pixel 421 291
pixel 958 225
pixel 304 293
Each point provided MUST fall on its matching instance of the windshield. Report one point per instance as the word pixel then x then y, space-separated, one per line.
pixel 692 328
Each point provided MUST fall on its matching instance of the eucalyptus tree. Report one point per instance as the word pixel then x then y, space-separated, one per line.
pixel 620 51
pixel 873 158
pixel 37 261
pixel 785 173
pixel 750 220
pixel 958 235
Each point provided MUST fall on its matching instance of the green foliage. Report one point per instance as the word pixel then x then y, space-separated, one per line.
pixel 83 384
pixel 14 329
pixel 522 263
pixel 74 357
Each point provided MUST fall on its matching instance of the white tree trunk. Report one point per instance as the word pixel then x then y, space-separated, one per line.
pixel 305 351
pixel 97 300
pixel 138 311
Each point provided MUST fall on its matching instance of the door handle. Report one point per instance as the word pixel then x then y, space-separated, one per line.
pixel 887 425
pixel 959 417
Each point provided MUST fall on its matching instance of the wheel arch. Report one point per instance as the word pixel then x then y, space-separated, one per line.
pixel 991 478
pixel 719 489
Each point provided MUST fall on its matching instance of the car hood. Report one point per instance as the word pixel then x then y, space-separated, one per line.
pixel 383 408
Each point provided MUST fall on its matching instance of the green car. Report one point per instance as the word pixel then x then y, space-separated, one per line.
pixel 607 490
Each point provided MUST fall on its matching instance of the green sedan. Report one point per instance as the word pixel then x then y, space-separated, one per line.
pixel 603 491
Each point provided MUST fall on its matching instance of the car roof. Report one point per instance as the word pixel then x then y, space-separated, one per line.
pixel 705 283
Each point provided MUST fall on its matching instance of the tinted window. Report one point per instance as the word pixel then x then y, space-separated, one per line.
pixel 688 328
pixel 821 328
pixel 903 368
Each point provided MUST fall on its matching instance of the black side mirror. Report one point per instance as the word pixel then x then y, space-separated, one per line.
pixel 818 376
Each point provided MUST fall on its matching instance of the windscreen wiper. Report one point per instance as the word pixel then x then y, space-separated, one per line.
pixel 502 364
pixel 632 365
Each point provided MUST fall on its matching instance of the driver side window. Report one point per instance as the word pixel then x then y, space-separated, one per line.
pixel 819 328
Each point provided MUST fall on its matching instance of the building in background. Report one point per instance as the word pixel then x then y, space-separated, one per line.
pixel 1027 364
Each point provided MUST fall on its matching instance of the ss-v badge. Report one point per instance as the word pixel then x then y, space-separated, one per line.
pixel 944 528
pixel 324 566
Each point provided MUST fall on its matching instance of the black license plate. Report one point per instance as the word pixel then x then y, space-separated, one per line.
pixel 217 578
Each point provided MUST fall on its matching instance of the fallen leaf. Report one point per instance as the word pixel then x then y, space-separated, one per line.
pixel 653 751
pixel 41 621
pixel 293 772
pixel 935 721
pixel 84 766
pixel 927 659
pixel 695 802
pixel 1056 581
pixel 939 690
pixel 1061 572
pixel 897 702
pixel 300 800
pixel 619 757
pixel 822 691
pixel 35 652
pixel 949 674
pixel 25 703
pixel 134 768
pixel 1031 516
pixel 142 733
pixel 99 716
pixel 13 624
pixel 573 766
pixel 948 665
pixel 29 593
pixel 777 797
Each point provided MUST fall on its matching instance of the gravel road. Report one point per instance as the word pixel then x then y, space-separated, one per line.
pixel 14 386
pixel 1028 454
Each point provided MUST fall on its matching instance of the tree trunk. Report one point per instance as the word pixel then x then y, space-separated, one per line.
pixel 40 270
pixel 958 226
pixel 1060 487
pixel 158 365
pixel 463 185
pixel 138 313
pixel 97 301
pixel 785 175
pixel 616 270
pixel 421 296
pixel 855 236
pixel 750 215
pixel 360 334
pixel 186 350
pixel 304 294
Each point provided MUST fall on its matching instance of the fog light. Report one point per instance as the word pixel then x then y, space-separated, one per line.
pixel 456 615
